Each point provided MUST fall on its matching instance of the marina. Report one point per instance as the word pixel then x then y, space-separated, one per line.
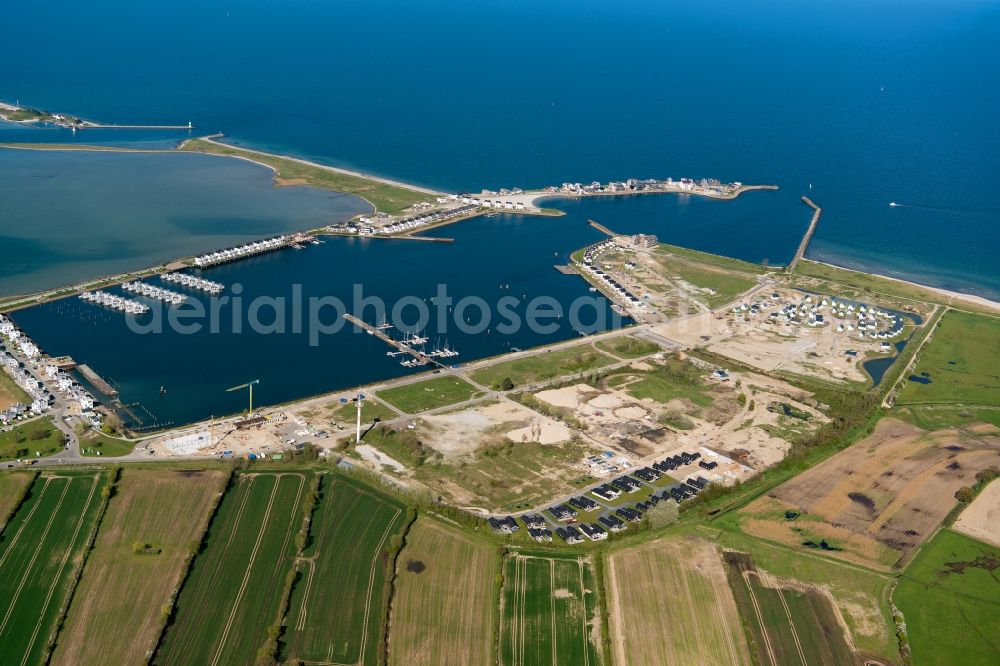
pixel 405 346
pixel 158 293
pixel 194 282
pixel 114 302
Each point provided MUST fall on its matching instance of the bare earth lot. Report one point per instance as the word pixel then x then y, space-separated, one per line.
pixel 981 520
pixel 671 604
pixel 878 500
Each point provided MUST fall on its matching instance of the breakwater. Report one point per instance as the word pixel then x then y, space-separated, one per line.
pixel 804 245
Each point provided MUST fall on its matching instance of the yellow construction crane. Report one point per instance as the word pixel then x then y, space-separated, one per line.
pixel 248 385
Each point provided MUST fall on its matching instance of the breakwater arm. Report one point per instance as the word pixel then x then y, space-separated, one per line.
pixel 808 236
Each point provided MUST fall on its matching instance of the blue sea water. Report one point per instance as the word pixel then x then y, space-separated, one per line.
pixel 868 102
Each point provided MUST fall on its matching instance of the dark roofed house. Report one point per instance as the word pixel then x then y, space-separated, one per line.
pixel 593 532
pixel 540 535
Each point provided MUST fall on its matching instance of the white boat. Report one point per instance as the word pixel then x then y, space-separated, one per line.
pixel 893 204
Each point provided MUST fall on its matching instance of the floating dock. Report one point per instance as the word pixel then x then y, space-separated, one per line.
pixel 114 302
pixel 97 381
pixel 419 357
pixel 192 282
pixel 149 291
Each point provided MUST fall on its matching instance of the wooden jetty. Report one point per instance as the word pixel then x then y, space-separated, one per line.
pixel 392 342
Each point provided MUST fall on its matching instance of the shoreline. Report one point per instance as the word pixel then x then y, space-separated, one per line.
pixel 212 139
pixel 971 299
pixel 528 197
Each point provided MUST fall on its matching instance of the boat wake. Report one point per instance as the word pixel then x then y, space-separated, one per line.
pixel 983 214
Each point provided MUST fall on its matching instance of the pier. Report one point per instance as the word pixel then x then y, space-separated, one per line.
pixel 419 357
pixel 89 125
pixel 97 381
pixel 809 234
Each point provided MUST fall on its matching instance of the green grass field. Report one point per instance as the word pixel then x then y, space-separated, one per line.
pixel 93 444
pixel 10 392
pixel 725 282
pixel 428 394
pixel 117 606
pixel 716 260
pixel 543 366
pixel 950 597
pixel 789 626
pixel 38 551
pixel 336 606
pixel 627 347
pixel 36 438
pixel 232 594
pixel 550 611
pixel 371 409
pixel 386 198
pixel 962 361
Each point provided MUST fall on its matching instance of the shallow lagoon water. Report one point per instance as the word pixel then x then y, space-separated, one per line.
pixel 71 216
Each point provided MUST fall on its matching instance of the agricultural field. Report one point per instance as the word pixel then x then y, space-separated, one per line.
pixel 791 625
pixel 876 501
pixel 40 548
pixel 335 613
pixel 959 364
pixel 670 603
pixel 12 485
pixel 32 439
pixel 981 519
pixel 950 598
pixel 446 598
pixel 428 394
pixel 137 561
pixel 859 594
pixel 543 366
pixel 233 591
pixel 550 612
